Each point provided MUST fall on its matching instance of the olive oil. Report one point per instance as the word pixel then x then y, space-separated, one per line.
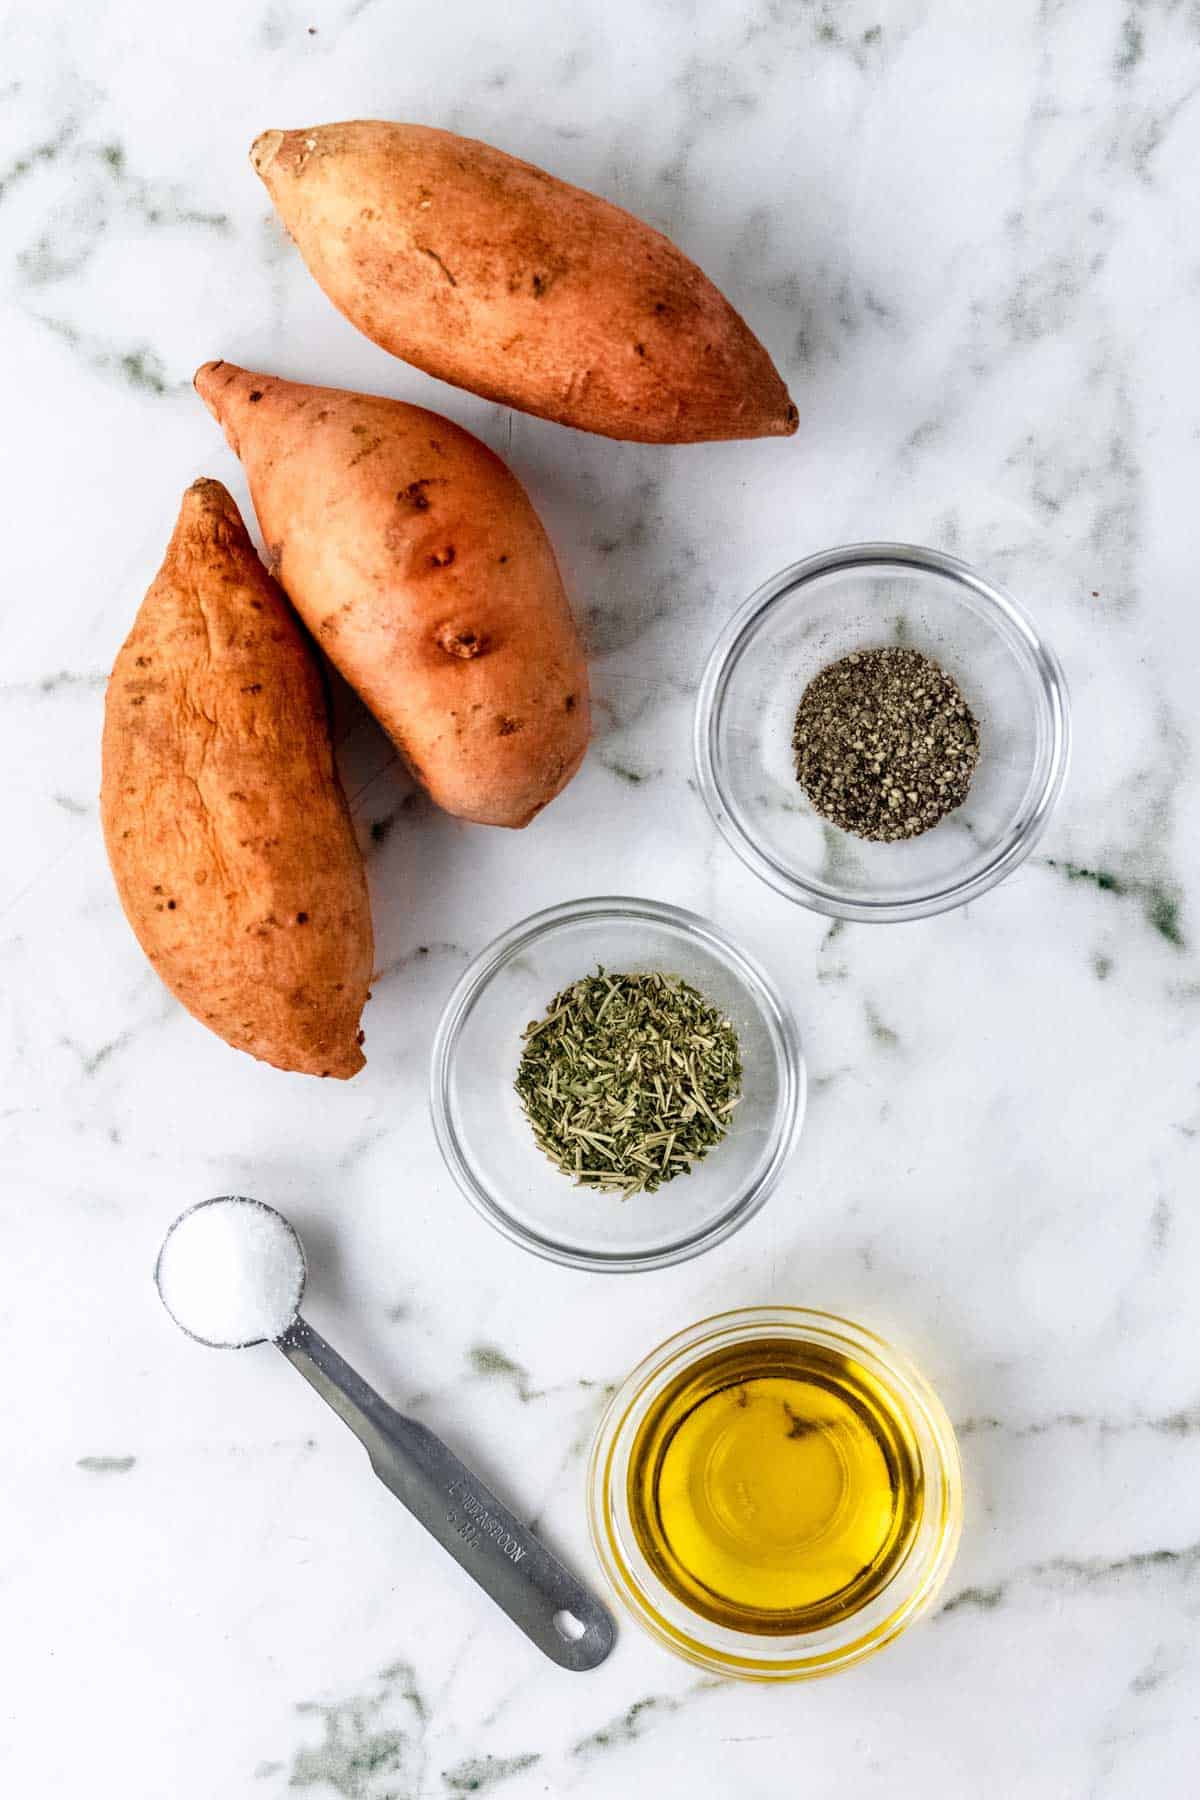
pixel 775 1486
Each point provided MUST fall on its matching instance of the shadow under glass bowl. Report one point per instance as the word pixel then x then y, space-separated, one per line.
pixel 488 1143
pixel 863 597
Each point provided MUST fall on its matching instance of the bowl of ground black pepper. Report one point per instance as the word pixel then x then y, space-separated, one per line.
pixel 616 1085
pixel 881 733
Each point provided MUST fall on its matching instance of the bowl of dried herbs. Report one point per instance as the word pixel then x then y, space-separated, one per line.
pixel 616 1085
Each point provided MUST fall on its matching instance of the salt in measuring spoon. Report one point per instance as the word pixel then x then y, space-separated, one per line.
pixel 231 1273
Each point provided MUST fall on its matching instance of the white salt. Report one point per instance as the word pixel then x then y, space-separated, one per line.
pixel 231 1272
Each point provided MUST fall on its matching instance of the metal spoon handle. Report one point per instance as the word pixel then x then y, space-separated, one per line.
pixel 481 1534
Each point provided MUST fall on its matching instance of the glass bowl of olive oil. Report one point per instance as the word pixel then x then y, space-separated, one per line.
pixel 775 1494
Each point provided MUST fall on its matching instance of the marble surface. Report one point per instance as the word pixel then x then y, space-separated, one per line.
pixel 968 236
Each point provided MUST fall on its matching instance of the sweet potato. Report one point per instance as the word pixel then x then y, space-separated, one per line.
pixel 489 273
pixel 225 822
pixel 418 564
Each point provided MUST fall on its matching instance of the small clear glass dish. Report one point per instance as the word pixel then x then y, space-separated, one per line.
pixel 488 1143
pixel 914 1583
pixel 868 596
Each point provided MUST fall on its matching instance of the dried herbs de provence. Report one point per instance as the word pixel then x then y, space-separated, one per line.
pixel 629 1080
pixel 885 744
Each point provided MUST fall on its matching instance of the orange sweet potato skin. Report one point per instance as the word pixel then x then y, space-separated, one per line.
pixel 225 823
pixel 491 274
pixel 420 567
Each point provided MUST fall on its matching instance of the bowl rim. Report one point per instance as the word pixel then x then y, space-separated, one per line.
pixel 780 1024
pixel 724 657
pixel 666 1361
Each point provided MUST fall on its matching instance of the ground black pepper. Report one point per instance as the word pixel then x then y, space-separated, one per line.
pixel 885 744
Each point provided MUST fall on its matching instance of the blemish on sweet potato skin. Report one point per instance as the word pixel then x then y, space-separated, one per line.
pixel 461 641
pixel 366 448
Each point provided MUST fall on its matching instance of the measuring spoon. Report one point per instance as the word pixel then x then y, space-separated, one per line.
pixel 503 1556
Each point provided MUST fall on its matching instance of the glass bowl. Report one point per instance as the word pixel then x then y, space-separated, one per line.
pixel 869 596
pixel 915 1581
pixel 488 1143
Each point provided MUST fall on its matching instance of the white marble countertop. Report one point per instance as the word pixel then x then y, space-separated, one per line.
pixel 968 235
